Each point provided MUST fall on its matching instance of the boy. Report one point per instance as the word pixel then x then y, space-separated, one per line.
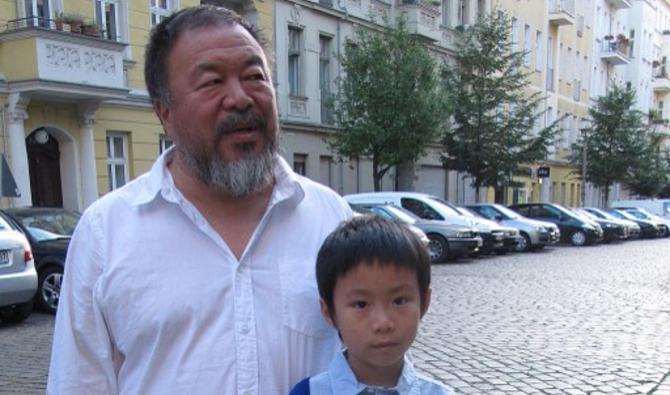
pixel 374 282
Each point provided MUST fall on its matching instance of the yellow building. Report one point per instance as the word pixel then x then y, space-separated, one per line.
pixel 75 117
pixel 558 37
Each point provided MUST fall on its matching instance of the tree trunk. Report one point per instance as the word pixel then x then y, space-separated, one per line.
pixel 476 184
pixel 606 195
pixel 499 195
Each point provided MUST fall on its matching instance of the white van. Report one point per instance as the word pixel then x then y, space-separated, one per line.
pixel 660 207
pixel 423 205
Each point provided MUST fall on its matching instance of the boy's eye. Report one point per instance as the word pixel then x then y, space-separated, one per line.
pixel 400 300
pixel 359 304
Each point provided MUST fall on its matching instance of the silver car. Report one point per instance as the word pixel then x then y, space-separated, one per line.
pixel 18 278
pixel 535 234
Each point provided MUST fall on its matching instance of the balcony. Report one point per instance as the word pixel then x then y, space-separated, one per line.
pixel 562 12
pixel 661 82
pixel 620 4
pixel 423 17
pixel 615 52
pixel 36 56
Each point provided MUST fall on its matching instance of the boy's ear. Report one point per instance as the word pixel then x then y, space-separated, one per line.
pixel 325 312
pixel 426 303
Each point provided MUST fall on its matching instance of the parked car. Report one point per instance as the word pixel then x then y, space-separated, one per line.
pixel 633 228
pixel 648 229
pixel 534 234
pixel 18 277
pixel 574 229
pixel 662 224
pixel 420 204
pixel 660 207
pixel 510 236
pixel 612 230
pixel 445 241
pixel 49 231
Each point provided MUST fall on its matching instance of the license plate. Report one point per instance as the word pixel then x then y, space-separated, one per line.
pixel 4 257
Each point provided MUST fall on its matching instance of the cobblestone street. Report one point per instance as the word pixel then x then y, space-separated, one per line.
pixel 592 320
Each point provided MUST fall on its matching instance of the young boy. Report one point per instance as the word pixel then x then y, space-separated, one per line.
pixel 374 281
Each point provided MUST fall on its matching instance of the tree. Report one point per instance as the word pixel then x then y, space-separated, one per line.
pixel 614 142
pixel 649 176
pixel 493 112
pixel 390 105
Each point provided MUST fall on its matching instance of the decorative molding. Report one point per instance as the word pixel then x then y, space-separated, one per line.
pixel 17 107
pixel 296 14
pixel 297 107
pixel 87 112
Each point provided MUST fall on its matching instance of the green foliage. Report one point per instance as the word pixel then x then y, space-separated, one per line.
pixel 616 142
pixel 650 175
pixel 493 113
pixel 390 105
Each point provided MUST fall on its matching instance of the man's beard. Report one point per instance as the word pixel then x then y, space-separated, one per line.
pixel 238 178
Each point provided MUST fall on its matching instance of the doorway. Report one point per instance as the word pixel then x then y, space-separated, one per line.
pixel 44 166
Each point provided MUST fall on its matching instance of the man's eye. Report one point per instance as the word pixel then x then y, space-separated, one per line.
pixel 256 77
pixel 213 81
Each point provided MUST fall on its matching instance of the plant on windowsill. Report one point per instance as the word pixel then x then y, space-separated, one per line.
pixel 621 39
pixel 75 21
pixel 60 21
pixel 666 32
pixel 609 37
pixel 91 29
pixel 655 63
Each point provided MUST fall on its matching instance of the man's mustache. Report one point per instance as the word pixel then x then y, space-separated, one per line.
pixel 240 120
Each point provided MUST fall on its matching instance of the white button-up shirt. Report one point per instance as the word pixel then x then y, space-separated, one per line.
pixel 155 302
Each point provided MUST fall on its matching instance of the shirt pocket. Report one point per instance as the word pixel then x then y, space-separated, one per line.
pixel 300 299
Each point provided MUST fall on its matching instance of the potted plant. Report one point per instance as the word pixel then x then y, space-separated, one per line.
pixel 75 21
pixel 60 21
pixel 609 37
pixel 91 29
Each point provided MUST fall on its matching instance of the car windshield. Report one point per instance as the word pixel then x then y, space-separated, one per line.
pixel 402 214
pixel 621 214
pixel 507 212
pixel 49 225
pixel 448 207
pixel 638 214
pixel 585 214
pixel 465 212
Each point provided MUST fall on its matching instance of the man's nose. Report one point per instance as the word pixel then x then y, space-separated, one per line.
pixel 235 97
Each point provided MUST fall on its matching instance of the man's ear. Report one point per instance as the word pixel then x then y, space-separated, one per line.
pixel 326 313
pixel 163 112
pixel 426 301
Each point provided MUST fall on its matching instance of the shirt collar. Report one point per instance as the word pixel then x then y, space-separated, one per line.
pixel 159 179
pixel 343 379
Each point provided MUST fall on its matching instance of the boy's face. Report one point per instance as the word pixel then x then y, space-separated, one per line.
pixel 377 311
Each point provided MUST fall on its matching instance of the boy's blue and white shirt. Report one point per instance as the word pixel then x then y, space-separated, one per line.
pixel 339 379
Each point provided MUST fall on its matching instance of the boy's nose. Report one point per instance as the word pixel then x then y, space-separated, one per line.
pixel 382 322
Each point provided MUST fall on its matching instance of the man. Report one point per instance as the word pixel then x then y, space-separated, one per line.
pixel 198 277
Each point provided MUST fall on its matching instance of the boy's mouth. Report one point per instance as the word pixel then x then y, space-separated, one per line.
pixel 384 344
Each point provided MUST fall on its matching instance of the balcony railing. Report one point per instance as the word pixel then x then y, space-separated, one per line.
pixel 661 81
pixel 87 29
pixel 562 12
pixel 660 72
pixel 616 51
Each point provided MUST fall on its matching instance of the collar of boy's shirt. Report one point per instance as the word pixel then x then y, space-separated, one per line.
pixel 345 379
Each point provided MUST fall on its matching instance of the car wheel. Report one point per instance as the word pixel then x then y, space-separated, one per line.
pixel 578 238
pixel 48 291
pixel 437 248
pixel 16 313
pixel 664 231
pixel 524 244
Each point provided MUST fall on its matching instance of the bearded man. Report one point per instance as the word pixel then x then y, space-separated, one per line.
pixel 198 277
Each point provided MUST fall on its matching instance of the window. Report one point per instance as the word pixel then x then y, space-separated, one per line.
pixel 117 160
pixel 164 143
pixel 160 9
pixel 462 13
pixel 299 164
pixel 515 35
pixel 561 58
pixel 420 209
pixel 41 10
pixel 294 45
pixel 107 17
pixel 526 45
pixel 324 79
pixel 568 66
pixel 326 170
pixel 566 132
pixel 550 64
pixel 446 12
pixel 538 51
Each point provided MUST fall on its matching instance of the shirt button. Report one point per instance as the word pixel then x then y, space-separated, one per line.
pixel 244 329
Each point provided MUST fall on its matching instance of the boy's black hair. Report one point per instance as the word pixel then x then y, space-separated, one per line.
pixel 370 239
